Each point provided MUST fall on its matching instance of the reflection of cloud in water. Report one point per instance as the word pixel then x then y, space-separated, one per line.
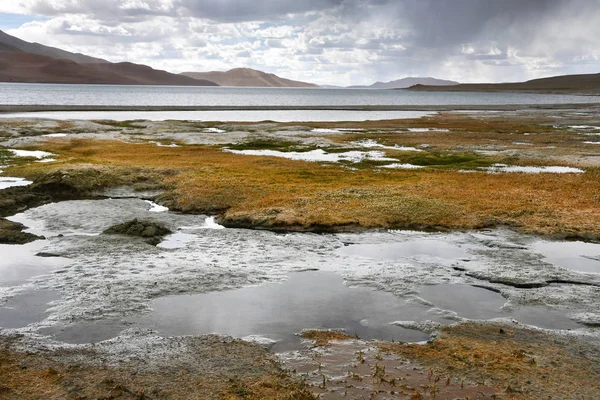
pixel 369 143
pixel 402 166
pixel 114 277
pixel 30 153
pixel 318 155
pixel 232 116
pixel 7 182
pixel 576 256
pixel 533 170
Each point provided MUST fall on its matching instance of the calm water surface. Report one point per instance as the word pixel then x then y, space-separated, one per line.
pixel 57 94
pixel 243 115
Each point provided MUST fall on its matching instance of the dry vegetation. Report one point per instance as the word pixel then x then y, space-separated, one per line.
pixel 245 372
pixel 323 337
pixel 276 193
pixel 524 364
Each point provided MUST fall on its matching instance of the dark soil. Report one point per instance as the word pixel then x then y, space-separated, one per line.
pixel 149 230
pixel 11 233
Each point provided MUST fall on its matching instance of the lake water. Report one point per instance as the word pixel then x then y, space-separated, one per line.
pixel 231 116
pixel 114 95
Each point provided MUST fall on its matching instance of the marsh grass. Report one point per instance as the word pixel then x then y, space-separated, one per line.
pixel 323 337
pixel 269 143
pixel 443 159
pixel 8 159
pixel 131 124
pixel 5 155
pixel 273 192
pixel 251 376
pixel 525 364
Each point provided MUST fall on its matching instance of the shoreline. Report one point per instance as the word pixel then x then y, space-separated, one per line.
pixel 16 108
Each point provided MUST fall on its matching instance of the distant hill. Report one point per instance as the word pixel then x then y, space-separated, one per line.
pixel 40 49
pixel 406 83
pixel 246 77
pixel 4 47
pixel 34 68
pixel 581 84
pixel 25 62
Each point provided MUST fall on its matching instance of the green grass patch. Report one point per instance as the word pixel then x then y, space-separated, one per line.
pixel 5 155
pixel 131 124
pixel 444 159
pixel 272 144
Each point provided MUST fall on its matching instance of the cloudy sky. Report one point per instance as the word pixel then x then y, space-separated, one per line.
pixel 340 42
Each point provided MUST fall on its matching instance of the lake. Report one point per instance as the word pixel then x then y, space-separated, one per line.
pixel 115 95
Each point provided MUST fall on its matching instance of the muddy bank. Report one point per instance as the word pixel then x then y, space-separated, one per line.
pixel 111 279
pixel 473 360
pixel 62 185
pixel 12 233
pixel 95 182
pixel 521 363
pixel 138 365
pixel 261 220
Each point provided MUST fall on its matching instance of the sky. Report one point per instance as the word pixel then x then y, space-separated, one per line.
pixel 337 42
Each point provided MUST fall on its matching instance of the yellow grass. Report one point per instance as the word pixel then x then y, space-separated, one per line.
pixel 522 364
pixel 323 337
pixel 274 192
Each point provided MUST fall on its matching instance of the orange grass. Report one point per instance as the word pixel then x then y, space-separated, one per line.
pixel 46 377
pixel 323 337
pixel 274 192
pixel 523 364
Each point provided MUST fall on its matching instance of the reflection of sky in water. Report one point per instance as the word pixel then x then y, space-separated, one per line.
pixel 26 308
pixel 306 300
pixel 248 116
pixel 576 256
pixel 19 262
pixel 114 95
pixel 478 303
pixel 397 251
pixel 383 268
pixel 7 182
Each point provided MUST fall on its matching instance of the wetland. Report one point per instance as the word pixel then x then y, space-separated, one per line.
pixel 296 259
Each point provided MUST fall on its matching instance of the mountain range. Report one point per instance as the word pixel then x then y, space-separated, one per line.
pixel 246 77
pixel 406 83
pixel 576 84
pixel 25 62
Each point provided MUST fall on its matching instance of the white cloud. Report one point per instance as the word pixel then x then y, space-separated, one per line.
pixel 332 41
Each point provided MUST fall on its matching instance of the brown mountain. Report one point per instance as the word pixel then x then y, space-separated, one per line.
pixel 580 84
pixel 246 77
pixel 40 49
pixel 407 82
pixel 18 64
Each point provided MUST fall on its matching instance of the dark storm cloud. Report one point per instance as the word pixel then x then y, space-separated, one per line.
pixel 461 39
pixel 105 9
pixel 216 10
pixel 251 10
pixel 433 22
pixel 437 23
